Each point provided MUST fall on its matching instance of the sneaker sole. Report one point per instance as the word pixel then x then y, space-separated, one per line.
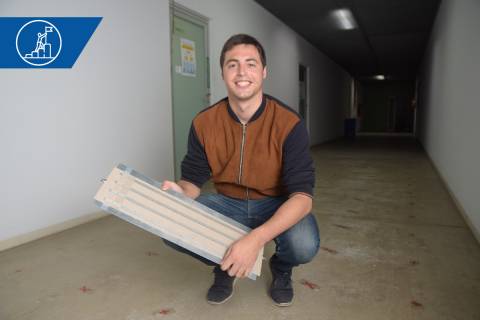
pixel 227 298
pixel 282 304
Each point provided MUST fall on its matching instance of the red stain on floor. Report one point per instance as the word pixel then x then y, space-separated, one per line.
pixel 329 250
pixel 85 289
pixel 309 284
pixel 416 304
pixel 164 312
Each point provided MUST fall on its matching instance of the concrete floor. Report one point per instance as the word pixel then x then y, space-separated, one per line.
pixel 394 246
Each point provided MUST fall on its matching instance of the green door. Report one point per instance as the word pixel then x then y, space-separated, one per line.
pixel 190 83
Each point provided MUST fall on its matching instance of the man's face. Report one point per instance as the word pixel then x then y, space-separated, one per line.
pixel 243 72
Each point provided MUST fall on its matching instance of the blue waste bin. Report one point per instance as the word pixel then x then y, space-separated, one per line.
pixel 350 127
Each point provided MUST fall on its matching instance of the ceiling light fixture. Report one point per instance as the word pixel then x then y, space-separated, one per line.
pixel 379 77
pixel 344 19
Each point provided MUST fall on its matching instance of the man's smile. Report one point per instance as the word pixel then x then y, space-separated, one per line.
pixel 242 83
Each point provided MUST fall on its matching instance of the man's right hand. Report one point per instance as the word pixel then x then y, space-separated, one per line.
pixel 172 186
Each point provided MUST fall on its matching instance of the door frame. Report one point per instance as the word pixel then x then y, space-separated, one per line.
pixel 307 94
pixel 194 17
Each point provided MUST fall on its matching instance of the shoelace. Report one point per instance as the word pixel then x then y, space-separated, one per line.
pixel 282 280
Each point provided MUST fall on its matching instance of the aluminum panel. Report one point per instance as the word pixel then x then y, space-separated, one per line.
pixel 139 200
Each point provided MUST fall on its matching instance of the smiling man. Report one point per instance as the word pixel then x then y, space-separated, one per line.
pixel 256 151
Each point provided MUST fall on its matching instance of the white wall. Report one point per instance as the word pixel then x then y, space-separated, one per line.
pixel 61 131
pixel 449 109
pixel 329 84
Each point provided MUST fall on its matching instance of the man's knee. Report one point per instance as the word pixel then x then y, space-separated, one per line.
pixel 305 251
pixel 300 244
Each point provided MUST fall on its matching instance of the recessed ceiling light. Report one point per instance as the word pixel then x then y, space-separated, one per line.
pixel 344 19
pixel 379 77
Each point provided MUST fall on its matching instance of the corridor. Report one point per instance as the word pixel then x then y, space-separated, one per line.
pixel 393 246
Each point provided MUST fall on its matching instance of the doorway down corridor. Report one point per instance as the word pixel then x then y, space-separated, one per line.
pixel 393 246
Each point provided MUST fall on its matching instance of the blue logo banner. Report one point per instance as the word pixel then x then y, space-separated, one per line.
pixel 49 42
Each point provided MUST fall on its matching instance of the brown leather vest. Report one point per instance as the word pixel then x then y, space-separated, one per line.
pixel 245 160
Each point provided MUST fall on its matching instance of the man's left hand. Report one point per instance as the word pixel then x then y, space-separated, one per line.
pixel 241 256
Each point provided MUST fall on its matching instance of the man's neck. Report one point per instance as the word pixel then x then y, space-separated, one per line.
pixel 245 109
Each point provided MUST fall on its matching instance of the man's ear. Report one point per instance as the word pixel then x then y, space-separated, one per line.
pixel 264 72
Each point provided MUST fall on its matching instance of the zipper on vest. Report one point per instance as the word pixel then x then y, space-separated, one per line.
pixel 240 171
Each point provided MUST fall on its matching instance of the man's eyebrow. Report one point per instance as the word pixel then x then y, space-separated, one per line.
pixel 236 60
pixel 231 60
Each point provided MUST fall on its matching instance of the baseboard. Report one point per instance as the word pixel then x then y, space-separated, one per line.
pixel 37 234
pixel 457 203
pixel 385 134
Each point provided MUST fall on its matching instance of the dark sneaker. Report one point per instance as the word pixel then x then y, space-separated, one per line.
pixel 222 287
pixel 281 290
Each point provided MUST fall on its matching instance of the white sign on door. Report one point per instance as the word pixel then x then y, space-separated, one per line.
pixel 189 63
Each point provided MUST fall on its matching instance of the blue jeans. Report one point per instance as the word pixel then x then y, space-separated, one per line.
pixel 295 246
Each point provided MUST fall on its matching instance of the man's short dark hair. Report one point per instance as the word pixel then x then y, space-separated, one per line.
pixel 241 38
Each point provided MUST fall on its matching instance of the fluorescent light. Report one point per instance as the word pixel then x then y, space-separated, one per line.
pixel 379 77
pixel 344 19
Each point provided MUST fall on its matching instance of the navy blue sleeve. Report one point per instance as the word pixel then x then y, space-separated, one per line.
pixel 298 173
pixel 195 167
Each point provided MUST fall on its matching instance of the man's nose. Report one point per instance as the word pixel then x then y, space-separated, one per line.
pixel 241 68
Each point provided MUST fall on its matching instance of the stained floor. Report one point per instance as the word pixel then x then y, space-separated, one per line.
pixel 394 246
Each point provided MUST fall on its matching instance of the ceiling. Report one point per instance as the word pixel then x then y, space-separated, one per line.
pixel 389 39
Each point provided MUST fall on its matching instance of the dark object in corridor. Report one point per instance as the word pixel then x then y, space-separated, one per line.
pixel 350 127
